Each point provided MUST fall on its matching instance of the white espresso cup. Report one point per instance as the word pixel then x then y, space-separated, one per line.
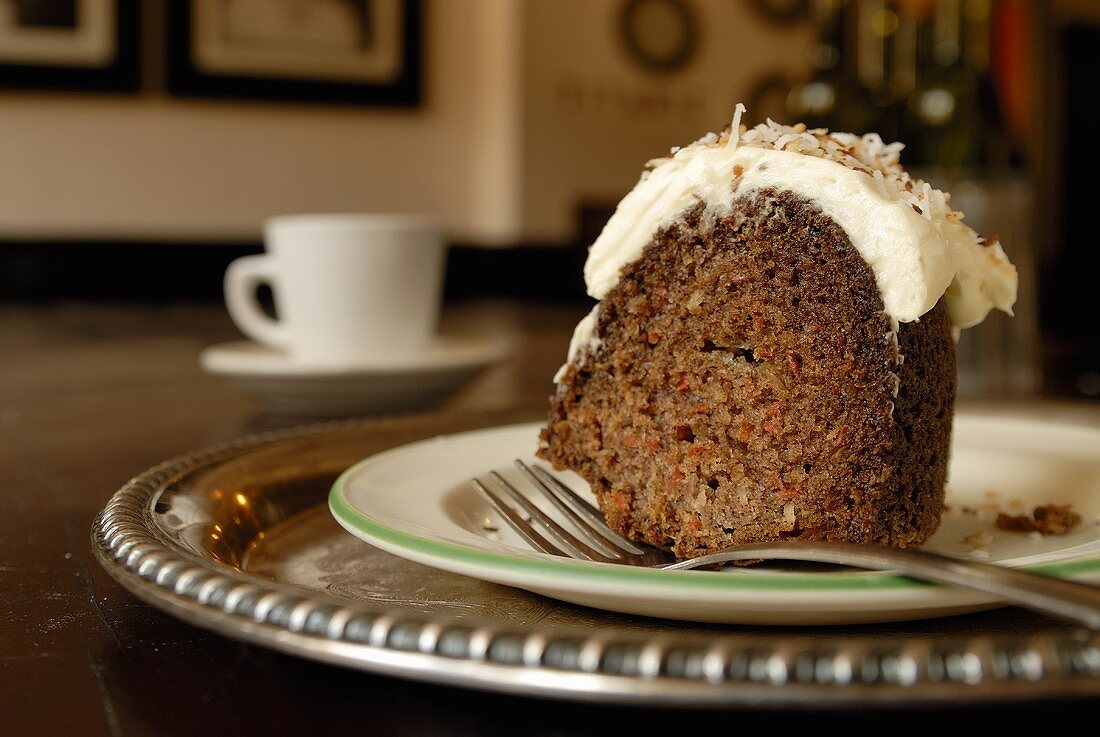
pixel 347 288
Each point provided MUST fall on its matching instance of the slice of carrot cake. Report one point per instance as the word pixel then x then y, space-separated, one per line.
pixel 773 351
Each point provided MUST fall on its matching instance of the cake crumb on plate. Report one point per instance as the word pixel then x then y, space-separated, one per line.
pixel 1049 519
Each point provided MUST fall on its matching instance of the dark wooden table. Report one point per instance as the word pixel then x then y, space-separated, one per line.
pixel 93 394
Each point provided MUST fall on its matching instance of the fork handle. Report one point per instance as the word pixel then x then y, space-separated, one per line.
pixel 1076 602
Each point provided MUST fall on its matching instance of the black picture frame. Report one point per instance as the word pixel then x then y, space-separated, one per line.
pixel 122 74
pixel 185 79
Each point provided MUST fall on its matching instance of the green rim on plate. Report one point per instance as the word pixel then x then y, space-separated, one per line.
pixel 612 573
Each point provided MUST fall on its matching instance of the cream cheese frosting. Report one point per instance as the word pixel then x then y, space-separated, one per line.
pixel 915 244
pixel 584 337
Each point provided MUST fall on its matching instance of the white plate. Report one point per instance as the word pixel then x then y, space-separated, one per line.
pixel 387 383
pixel 416 502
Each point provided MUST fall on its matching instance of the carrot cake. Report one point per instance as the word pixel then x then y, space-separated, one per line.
pixel 772 354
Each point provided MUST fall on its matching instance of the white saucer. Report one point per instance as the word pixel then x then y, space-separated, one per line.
pixel 416 502
pixel 385 383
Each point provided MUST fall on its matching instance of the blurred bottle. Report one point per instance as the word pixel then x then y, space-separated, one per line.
pixel 957 139
pixel 943 132
pixel 876 30
pixel 833 97
pixel 954 119
pixel 1000 149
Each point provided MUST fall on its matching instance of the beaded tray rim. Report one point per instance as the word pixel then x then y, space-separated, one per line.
pixel 672 669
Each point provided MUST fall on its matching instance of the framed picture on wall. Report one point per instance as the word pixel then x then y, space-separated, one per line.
pixel 69 44
pixel 350 51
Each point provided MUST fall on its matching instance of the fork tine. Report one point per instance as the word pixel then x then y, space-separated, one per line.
pixel 591 515
pixel 562 537
pixel 590 535
pixel 516 522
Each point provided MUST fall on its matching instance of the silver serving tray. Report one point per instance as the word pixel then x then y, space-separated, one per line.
pixel 238 539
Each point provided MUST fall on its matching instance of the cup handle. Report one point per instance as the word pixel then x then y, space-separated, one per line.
pixel 241 280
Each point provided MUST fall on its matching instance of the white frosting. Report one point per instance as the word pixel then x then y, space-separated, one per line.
pixel 916 246
pixel 584 338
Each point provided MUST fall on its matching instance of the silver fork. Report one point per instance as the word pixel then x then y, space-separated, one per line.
pixel 593 540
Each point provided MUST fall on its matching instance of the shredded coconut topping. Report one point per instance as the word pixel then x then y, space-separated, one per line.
pixel 867 154
pixel 735 127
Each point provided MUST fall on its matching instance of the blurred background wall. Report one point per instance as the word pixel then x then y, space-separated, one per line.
pixel 152 165
pixel 145 142
pixel 526 107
